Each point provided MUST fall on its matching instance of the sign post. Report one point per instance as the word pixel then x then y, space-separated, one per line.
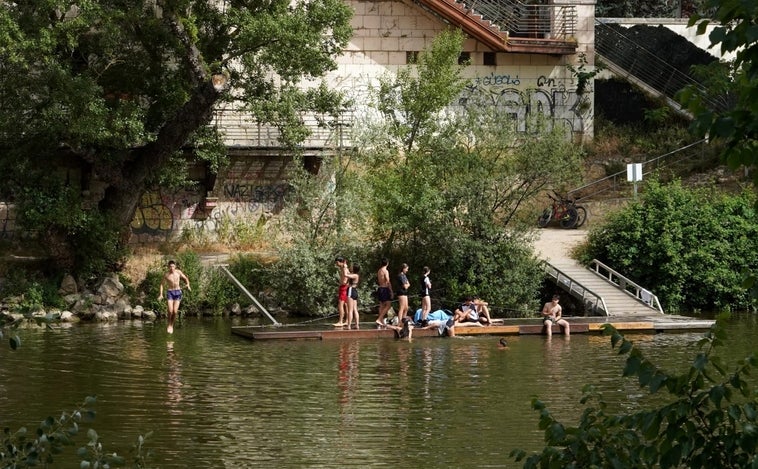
pixel 634 174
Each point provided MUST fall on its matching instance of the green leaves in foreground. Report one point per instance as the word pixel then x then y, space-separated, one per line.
pixel 21 449
pixel 710 421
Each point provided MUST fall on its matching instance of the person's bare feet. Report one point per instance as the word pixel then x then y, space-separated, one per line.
pixel 338 324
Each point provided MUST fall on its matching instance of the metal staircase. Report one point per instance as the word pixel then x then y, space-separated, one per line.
pixel 644 68
pixel 512 26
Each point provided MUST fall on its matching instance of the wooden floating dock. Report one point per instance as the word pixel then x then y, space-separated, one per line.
pixel 579 325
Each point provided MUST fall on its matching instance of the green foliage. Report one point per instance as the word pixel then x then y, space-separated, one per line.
pixel 710 421
pixel 22 449
pixel 412 98
pixel 737 125
pixel 305 280
pixel 583 77
pixel 212 291
pixel 450 199
pixel 113 94
pixel 641 8
pixel 431 184
pixel 692 245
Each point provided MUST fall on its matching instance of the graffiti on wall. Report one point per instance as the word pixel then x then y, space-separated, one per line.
pixel 162 214
pixel 160 211
pixel 247 197
pixel 550 99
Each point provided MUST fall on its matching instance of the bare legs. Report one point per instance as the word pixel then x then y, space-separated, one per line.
pixel 342 308
pixel 402 307
pixel 173 311
pixel 426 306
pixel 352 313
pixel 384 306
pixel 561 322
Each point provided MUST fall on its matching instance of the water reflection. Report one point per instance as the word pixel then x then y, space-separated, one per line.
pixel 216 400
pixel 173 381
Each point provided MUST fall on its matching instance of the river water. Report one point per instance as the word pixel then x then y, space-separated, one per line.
pixel 213 399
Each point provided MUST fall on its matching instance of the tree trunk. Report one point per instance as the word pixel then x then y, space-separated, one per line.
pixel 123 195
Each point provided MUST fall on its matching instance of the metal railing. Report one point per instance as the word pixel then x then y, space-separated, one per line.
pixel 531 21
pixel 614 181
pixel 622 283
pixel 591 300
pixel 247 293
pixel 613 46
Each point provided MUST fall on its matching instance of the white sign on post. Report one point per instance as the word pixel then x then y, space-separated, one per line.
pixel 634 174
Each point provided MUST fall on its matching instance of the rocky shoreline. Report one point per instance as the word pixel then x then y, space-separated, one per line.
pixel 108 302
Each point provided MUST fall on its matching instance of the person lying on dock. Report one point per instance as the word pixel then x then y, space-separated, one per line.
pixel 551 314
pixel 441 319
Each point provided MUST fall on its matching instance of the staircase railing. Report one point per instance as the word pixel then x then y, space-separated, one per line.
pixel 591 300
pixel 618 49
pixel 529 21
pixel 622 283
pixel 614 181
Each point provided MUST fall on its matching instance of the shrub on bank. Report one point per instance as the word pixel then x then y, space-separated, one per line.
pixel 710 420
pixel 693 247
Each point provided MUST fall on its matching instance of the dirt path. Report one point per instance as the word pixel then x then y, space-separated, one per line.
pixel 556 243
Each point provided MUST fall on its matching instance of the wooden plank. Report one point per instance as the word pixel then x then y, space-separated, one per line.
pixel 265 335
pixel 486 330
pixel 625 326
pixel 540 329
pixel 365 333
pixel 524 326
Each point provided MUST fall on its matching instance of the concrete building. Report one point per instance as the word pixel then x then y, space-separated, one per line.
pixel 518 53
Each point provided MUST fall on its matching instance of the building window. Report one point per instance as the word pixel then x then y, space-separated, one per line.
pixel 411 57
pixel 464 58
pixel 489 58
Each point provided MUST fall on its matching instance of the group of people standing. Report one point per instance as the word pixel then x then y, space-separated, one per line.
pixel 471 309
pixel 347 294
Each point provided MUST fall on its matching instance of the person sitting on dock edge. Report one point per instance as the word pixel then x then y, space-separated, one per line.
pixel 551 314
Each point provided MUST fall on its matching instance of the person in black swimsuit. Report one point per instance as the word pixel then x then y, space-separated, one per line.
pixel 402 292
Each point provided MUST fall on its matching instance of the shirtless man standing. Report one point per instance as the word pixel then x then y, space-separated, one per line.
pixel 174 292
pixel 385 291
pixel 343 271
pixel 551 314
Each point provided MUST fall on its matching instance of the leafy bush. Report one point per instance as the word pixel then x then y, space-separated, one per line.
pixel 712 420
pixel 694 246
pixel 22 449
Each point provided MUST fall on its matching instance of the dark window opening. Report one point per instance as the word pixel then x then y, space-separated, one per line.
pixel 489 58
pixel 411 57
pixel 464 58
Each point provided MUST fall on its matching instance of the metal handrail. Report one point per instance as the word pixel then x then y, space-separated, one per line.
pixel 519 19
pixel 647 66
pixel 244 290
pixel 589 298
pixel 641 294
pixel 648 167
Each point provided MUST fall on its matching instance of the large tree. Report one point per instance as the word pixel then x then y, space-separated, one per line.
pixel 117 88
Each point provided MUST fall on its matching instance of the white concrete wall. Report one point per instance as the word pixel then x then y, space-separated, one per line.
pixel 384 30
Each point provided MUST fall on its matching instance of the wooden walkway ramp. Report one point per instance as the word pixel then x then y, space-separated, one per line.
pixel 604 291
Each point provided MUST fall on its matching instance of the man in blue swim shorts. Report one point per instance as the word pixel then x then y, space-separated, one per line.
pixel 173 292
